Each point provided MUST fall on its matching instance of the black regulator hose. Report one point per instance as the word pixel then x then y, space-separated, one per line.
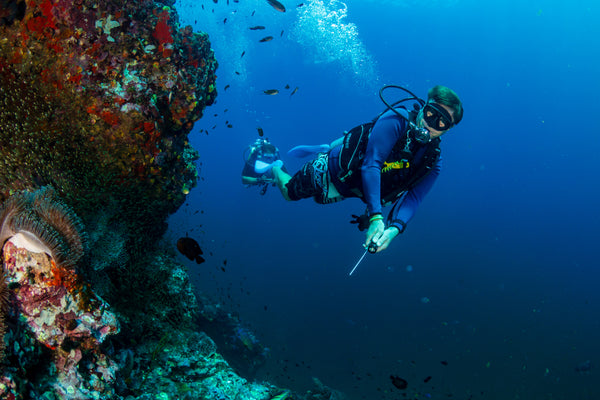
pixel 389 106
pixel 421 135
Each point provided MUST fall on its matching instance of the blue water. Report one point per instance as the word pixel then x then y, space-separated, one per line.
pixel 497 273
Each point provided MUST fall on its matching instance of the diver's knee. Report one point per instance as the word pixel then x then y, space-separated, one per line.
pixel 281 179
pixel 284 191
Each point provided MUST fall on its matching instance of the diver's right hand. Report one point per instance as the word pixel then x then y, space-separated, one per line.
pixel 386 238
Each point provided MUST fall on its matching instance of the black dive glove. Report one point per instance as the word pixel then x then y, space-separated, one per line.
pixel 361 221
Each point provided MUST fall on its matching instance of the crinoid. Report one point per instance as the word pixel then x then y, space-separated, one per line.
pixel 40 222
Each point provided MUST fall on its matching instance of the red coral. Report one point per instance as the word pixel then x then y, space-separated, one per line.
pixel 41 22
pixel 162 32
pixel 61 277
pixel 148 127
pixel 75 79
pixel 110 117
pixel 46 7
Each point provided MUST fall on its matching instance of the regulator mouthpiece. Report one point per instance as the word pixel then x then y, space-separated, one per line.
pixel 421 135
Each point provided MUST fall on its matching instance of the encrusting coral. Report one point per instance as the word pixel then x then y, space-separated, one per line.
pixel 97 99
pixel 67 318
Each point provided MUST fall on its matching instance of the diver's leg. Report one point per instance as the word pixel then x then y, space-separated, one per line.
pixel 281 179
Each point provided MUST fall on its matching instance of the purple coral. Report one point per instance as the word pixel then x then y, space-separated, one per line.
pixel 44 240
pixel 66 317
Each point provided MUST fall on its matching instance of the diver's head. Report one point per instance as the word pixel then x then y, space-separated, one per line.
pixel 447 97
pixel 442 111
pixel 262 150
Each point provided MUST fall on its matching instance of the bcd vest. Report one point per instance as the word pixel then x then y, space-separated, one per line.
pixel 407 163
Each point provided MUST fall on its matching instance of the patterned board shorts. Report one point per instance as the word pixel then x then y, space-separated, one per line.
pixel 312 180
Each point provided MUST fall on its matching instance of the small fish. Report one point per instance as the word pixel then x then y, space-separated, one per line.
pixel 257 28
pixel 287 86
pixel 236 72
pixel 271 92
pixel 191 249
pixel 276 5
pixel 266 39
pixel 294 91
pixel 229 126
pixel 243 52
pixel 226 87
pixel 427 379
pixel 225 21
pixel 281 34
pixel 584 367
pixel 299 5
pixel 260 131
pixel 252 15
pixel 399 382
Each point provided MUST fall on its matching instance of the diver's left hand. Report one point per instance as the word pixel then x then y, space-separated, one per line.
pixel 386 238
pixel 376 229
pixel 361 221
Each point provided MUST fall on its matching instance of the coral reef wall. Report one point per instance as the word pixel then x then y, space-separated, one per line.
pixel 97 99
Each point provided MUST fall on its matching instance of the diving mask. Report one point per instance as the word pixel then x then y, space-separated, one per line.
pixel 437 117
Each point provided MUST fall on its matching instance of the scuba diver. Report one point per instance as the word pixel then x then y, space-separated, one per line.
pixel 260 157
pixel 392 160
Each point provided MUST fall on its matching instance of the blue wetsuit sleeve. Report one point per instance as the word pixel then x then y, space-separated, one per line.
pixel 406 206
pixel 386 132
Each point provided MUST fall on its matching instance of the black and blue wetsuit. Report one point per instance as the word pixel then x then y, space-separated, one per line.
pixel 382 178
pixel 388 131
